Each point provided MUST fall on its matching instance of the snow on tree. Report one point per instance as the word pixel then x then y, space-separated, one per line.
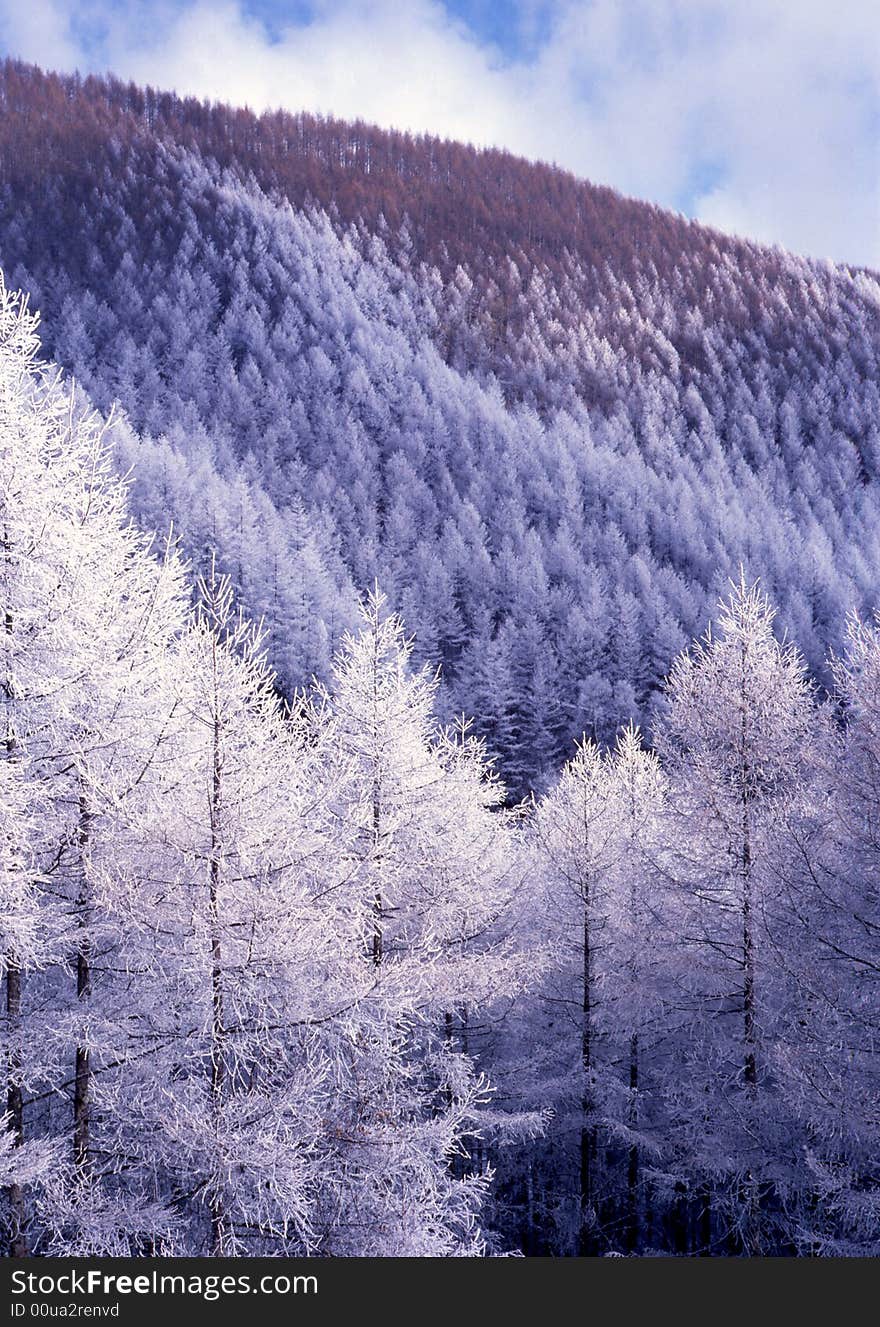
pixel 827 933
pixel 229 959
pixel 431 875
pixel 294 978
pixel 735 737
pixel 576 833
pixel 636 1015
pixel 85 606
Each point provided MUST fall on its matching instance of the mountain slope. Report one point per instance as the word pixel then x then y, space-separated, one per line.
pixel 548 420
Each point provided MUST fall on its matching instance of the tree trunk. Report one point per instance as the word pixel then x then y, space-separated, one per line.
pixel 82 1076
pixel 218 1061
pixel 705 1249
pixel 377 898
pixel 587 1235
pixel 750 1064
pixel 377 944
pixel 531 1222
pixel 632 1174
pixel 751 1196
pixel 18 1247
pixel 632 1171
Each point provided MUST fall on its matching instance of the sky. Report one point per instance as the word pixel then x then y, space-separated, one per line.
pixel 760 117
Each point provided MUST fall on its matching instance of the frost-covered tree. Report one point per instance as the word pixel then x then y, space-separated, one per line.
pixel 431 876
pixel 827 931
pixel 574 447
pixel 23 949
pixel 85 608
pixel 577 840
pixel 550 422
pixel 637 1015
pixel 430 841
pixel 735 736
pixel 229 961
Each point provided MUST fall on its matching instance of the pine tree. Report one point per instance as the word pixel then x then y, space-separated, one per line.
pixel 735 736
pixel 577 841
pixel 827 933
pixel 636 1016
pixel 431 878
pixel 230 960
pixel 86 608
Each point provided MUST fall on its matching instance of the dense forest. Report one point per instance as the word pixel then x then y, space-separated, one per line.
pixel 298 959
pixel 549 422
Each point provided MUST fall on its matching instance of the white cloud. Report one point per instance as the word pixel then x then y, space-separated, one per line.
pixel 406 66
pixel 761 116
pixel 38 31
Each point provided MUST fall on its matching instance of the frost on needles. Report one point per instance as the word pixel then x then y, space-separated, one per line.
pixel 297 977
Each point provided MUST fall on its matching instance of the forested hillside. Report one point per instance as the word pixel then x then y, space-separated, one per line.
pixel 291 980
pixel 393 860
pixel 548 421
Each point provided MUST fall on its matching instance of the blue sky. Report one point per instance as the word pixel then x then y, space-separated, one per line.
pixel 757 116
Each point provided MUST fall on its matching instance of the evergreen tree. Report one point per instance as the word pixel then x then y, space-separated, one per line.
pixel 735 735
